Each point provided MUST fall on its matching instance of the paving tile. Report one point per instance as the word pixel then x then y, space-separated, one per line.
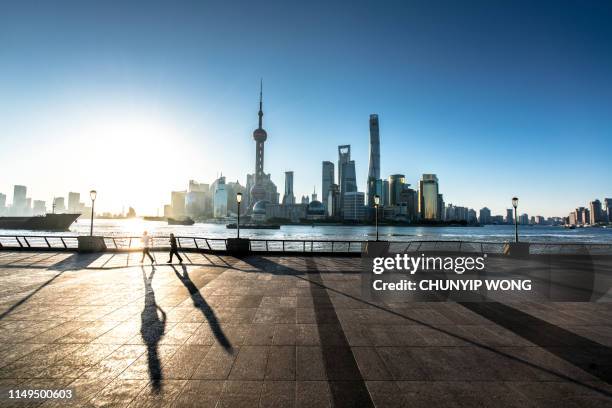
pixel 278 394
pixel 199 394
pixel 250 363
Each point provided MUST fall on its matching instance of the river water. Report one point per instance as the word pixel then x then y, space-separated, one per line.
pixel 488 233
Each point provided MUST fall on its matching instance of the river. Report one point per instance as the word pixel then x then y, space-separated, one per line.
pixel 488 233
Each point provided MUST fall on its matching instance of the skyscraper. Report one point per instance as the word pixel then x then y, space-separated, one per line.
pixel 374 166
pixel 39 207
pixel 509 216
pixel 327 179
pixel 288 198
pixel 19 200
pixel 220 199
pixel 484 216
pixel 608 209
pixel 58 205
pixel 396 185
pixel 354 208
pixel 2 203
pixel 440 207
pixel 596 212
pixel 74 202
pixel 428 197
pixel 177 200
pixel 344 157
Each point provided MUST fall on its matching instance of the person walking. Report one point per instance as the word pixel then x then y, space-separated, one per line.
pixel 174 249
pixel 146 245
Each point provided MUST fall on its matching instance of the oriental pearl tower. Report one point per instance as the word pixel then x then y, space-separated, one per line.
pixel 258 191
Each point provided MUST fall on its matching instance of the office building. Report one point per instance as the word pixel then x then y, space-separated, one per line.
pixel 596 212
pixel 327 179
pixel 195 204
pixel 485 216
pixel 374 164
pixel 472 218
pixel 428 197
pixel 333 200
pixel 286 212
pixel 2 204
pixel 220 199
pixel 509 216
pixel 409 201
pixel 59 206
pixel 384 198
pixel 608 209
pixel 39 207
pixel 177 200
pixel 19 200
pixel 524 219
pixel 396 186
pixel 74 202
pixel 233 188
pixel 345 181
pixel 197 199
pixel 289 198
pixel 440 207
pixel 354 206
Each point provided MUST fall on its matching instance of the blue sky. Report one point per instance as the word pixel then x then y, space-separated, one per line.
pixel 497 98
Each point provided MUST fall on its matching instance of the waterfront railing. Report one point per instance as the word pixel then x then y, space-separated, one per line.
pixel 263 245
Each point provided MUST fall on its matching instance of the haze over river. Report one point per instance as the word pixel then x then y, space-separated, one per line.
pixel 488 233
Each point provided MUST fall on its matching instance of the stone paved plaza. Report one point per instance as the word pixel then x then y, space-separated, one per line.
pixel 281 332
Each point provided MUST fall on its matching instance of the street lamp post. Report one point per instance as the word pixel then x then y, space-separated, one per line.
pixel 238 200
pixel 515 204
pixel 376 203
pixel 92 195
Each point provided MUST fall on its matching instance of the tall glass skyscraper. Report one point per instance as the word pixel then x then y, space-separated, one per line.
pixel 344 158
pixel 327 179
pixel 288 198
pixel 374 166
pixel 396 185
pixel 428 197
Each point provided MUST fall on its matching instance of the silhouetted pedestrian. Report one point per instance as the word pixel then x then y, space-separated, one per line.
pixel 174 249
pixel 146 244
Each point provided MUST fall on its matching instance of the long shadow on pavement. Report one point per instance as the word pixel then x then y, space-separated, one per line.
pixel 73 262
pixel 347 385
pixel 268 266
pixel 200 303
pixel 152 329
pixel 590 356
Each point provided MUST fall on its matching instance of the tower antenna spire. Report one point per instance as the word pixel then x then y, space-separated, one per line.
pixel 260 102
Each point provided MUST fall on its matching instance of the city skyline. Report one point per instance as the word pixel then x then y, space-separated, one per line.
pixel 489 110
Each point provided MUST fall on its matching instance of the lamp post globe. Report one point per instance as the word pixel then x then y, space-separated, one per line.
pixel 93 194
pixel 238 200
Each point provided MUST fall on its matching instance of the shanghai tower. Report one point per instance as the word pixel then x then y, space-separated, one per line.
pixel 374 168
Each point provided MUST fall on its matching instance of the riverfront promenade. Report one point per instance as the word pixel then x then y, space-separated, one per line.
pixel 281 332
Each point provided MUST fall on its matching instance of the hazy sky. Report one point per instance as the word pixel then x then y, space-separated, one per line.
pixel 497 98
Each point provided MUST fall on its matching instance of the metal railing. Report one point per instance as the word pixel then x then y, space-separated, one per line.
pixel 262 245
